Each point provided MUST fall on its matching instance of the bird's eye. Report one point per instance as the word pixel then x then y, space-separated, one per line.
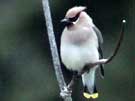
pixel 73 19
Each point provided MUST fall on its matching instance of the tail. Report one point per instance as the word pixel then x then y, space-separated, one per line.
pixel 88 79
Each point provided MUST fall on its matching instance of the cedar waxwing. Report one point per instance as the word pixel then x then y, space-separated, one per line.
pixel 80 45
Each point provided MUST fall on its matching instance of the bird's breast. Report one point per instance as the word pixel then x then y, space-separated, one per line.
pixel 76 57
pixel 78 48
pixel 79 36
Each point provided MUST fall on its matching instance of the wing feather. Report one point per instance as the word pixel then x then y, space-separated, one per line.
pixel 100 41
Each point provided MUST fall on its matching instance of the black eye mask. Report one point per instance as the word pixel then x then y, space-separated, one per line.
pixel 73 19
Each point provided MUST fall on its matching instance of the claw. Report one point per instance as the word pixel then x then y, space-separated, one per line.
pixel 65 92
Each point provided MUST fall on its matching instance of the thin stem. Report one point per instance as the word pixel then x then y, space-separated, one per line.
pixel 110 58
pixel 118 43
pixel 56 62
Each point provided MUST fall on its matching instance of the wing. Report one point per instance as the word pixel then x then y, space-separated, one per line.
pixel 99 35
pixel 101 66
pixel 100 41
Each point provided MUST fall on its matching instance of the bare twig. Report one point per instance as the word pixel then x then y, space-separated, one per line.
pixel 118 43
pixel 110 58
pixel 65 94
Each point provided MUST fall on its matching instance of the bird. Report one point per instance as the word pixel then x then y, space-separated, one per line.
pixel 80 45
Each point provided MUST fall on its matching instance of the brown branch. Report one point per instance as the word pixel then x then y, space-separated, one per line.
pixel 110 58
pixel 65 93
pixel 118 43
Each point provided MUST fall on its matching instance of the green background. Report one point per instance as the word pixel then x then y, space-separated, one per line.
pixel 26 71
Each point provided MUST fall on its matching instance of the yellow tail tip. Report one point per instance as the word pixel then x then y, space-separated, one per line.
pixel 88 96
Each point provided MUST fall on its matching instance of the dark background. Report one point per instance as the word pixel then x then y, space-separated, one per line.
pixel 26 71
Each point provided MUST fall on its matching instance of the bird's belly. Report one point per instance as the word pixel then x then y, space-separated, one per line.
pixel 76 57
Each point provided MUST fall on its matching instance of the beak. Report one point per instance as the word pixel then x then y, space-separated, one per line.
pixel 66 22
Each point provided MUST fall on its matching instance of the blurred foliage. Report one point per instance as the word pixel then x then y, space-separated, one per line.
pixel 26 71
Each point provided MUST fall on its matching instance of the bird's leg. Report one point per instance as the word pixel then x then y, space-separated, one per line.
pixel 74 78
pixel 85 69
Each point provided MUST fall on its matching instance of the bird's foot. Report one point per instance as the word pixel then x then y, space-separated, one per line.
pixel 65 92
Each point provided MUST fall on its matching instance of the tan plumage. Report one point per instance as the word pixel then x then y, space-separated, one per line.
pixel 79 44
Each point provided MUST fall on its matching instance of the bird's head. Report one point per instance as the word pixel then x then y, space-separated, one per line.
pixel 73 15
